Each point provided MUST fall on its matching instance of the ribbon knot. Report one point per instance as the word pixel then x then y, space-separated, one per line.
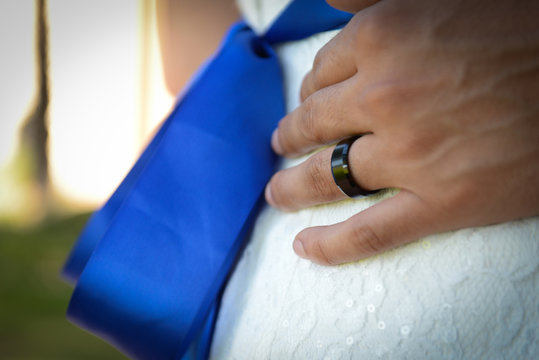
pixel 151 264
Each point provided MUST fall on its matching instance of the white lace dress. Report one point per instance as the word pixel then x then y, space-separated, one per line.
pixel 468 294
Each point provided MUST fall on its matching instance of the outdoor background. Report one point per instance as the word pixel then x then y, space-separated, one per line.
pixel 83 86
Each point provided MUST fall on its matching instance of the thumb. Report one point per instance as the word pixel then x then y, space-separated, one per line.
pixel 395 221
pixel 351 6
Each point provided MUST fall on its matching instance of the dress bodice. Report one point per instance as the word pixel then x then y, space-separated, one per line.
pixel 472 293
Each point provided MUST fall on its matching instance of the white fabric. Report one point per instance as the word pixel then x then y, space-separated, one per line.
pixel 468 294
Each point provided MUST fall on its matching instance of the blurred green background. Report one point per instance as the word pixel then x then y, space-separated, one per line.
pixel 83 87
pixel 33 297
pixel 39 218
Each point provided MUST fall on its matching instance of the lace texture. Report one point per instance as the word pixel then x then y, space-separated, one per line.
pixel 470 294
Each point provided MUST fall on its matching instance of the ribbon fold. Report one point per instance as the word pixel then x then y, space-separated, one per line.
pixel 150 265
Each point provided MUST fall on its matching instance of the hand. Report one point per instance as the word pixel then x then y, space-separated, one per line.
pixel 447 93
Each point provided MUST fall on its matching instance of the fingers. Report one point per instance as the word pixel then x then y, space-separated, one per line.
pixel 334 62
pixel 386 225
pixel 330 110
pixel 311 182
pixel 307 184
pixel 328 115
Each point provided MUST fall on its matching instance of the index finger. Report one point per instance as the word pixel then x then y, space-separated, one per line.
pixel 334 62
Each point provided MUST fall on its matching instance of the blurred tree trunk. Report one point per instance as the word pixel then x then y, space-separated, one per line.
pixel 35 133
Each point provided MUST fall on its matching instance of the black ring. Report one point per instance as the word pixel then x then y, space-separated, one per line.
pixel 341 170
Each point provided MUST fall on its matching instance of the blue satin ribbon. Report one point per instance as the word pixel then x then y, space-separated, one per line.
pixel 150 265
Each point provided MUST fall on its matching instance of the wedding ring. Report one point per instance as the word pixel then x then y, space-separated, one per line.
pixel 341 170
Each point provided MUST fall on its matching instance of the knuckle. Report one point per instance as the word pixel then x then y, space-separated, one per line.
pixel 307 87
pixel 318 65
pixel 313 81
pixel 285 141
pixel 308 124
pixel 382 101
pixel 324 254
pixel 378 97
pixel 371 29
pixel 326 58
pixel 318 179
pixel 279 194
pixel 365 240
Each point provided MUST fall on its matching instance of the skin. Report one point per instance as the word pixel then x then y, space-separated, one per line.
pixel 189 32
pixel 447 95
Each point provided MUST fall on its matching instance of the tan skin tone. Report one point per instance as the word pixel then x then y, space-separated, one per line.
pixel 190 32
pixel 448 95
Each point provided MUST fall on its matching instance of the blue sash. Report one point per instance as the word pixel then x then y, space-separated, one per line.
pixel 150 266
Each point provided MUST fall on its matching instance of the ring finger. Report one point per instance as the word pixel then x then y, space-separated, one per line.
pixel 311 182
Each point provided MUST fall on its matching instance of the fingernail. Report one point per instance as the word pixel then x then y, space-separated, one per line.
pixel 267 194
pixel 299 249
pixel 275 143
